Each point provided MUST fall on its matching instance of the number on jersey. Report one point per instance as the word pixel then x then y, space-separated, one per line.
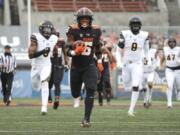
pixel 87 51
pixel 134 47
pixel 171 57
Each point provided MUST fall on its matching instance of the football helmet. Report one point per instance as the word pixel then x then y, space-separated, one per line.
pixel 46 29
pixel 171 42
pixel 135 25
pixel 84 17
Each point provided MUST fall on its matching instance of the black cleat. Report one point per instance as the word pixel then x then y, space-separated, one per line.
pixel 50 100
pixel 85 123
pixel 56 104
pixel 100 104
pixel 8 103
pixel 43 113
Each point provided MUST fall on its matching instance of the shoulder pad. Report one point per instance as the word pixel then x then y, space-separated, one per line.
pixel 74 26
pixel 95 26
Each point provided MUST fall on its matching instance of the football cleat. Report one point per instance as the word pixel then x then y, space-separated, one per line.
pixel 8 103
pixel 50 100
pixel 131 114
pixel 76 102
pixel 43 110
pixel 56 104
pixel 85 123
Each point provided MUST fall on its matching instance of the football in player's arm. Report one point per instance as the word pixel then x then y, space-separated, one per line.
pixel 83 42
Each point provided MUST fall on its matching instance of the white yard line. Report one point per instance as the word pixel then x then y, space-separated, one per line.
pixel 98 122
pixel 91 131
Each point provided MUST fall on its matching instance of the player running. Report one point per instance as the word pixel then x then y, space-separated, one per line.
pixel 40 50
pixel 134 43
pixel 172 72
pixel 83 41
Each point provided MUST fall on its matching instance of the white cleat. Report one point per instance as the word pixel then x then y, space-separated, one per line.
pixel 131 114
pixel 43 110
pixel 76 102
pixel 170 107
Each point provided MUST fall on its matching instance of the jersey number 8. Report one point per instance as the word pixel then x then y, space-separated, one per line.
pixel 134 47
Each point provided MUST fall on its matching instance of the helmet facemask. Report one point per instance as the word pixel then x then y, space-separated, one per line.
pixel 135 27
pixel 84 22
pixel 172 43
pixel 46 29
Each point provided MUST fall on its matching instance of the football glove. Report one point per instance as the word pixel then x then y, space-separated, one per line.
pixel 100 66
pixel 46 51
pixel 79 47
pixel 113 65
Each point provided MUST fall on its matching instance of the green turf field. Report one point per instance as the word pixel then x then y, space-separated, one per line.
pixel 23 119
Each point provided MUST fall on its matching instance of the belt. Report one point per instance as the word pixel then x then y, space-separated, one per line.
pixel 174 68
pixel 129 62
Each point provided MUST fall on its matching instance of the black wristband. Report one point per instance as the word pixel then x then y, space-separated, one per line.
pixel 37 54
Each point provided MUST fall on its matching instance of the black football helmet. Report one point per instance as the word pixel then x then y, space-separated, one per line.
pixel 84 13
pixel 135 25
pixel 171 42
pixel 46 29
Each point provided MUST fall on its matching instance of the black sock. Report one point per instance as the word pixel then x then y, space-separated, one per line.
pixel 89 102
pixel 100 97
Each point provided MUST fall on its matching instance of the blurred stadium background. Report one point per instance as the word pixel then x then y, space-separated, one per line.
pixel 20 18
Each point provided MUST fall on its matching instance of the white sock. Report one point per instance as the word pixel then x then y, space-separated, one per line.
pixel 169 97
pixel 44 94
pixel 150 95
pixel 145 96
pixel 134 98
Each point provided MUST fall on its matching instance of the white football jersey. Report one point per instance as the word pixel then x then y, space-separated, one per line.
pixel 150 63
pixel 172 56
pixel 134 45
pixel 42 43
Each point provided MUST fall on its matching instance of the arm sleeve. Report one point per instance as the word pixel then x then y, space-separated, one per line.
pixel 121 42
pixel 70 40
pixel 99 45
pixel 146 47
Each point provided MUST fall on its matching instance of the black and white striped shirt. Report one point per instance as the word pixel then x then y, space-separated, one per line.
pixel 7 63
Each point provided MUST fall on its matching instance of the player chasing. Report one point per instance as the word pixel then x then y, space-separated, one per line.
pixel 40 49
pixel 172 71
pixel 149 66
pixel 133 43
pixel 83 41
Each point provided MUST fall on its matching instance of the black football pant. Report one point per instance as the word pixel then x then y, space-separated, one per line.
pixel 88 75
pixel 104 86
pixel 55 79
pixel 7 81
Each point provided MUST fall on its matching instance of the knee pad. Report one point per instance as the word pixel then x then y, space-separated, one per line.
pixel 135 88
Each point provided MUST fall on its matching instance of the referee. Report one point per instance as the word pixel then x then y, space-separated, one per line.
pixel 8 66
